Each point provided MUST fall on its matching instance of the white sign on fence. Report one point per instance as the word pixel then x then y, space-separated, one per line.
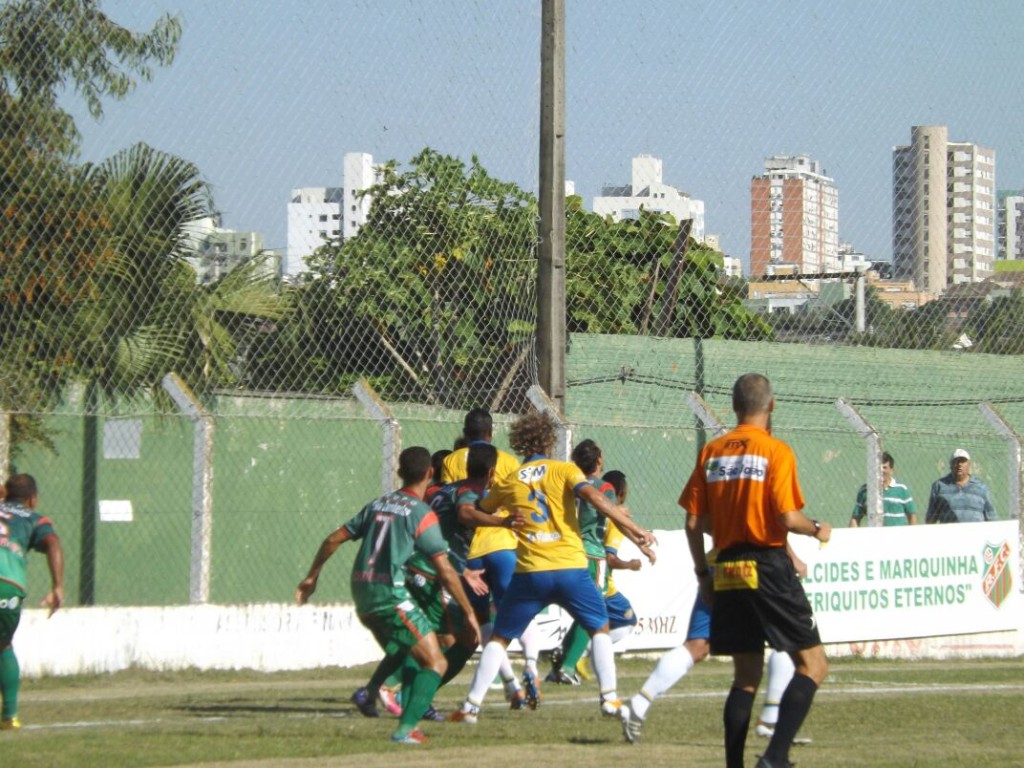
pixel 866 584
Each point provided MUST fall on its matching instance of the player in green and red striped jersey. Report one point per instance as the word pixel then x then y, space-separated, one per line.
pixel 22 529
pixel 391 528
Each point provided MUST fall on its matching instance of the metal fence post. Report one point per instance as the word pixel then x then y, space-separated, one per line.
pixel 202 486
pixel 391 431
pixel 5 444
pixel 1008 433
pixel 705 415
pixel 873 451
pixel 540 400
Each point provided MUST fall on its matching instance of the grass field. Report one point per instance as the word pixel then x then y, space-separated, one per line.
pixel 869 713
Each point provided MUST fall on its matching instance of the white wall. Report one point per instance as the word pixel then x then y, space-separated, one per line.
pixel 274 637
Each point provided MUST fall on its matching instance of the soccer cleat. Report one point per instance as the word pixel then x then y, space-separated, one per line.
pixel 583 669
pixel 764 762
pixel 364 702
pixel 532 689
pixel 611 707
pixel 433 714
pixel 469 714
pixel 518 700
pixel 561 677
pixel 389 701
pixel 415 736
pixel 632 724
pixel 765 730
pixel 10 724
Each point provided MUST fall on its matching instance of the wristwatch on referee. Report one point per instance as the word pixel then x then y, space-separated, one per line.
pixel 817 528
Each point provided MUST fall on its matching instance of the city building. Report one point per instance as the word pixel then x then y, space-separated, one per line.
pixel 320 214
pixel 649 192
pixel 1010 216
pixel 794 217
pixel 852 260
pixel 314 217
pixel 943 210
pixel 217 251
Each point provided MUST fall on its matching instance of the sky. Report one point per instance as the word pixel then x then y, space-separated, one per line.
pixel 267 97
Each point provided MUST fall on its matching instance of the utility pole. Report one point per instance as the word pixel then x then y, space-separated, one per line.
pixel 551 335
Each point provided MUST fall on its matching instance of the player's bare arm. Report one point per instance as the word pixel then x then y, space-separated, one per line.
pixel 55 561
pixel 327 548
pixel 645 550
pixel 798 522
pixel 472 516
pixel 798 565
pixel 695 540
pixel 450 580
pixel 619 514
pixel 616 563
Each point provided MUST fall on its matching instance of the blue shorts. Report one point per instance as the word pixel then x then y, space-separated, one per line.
pixel 620 611
pixel 700 620
pixel 498 567
pixel 530 593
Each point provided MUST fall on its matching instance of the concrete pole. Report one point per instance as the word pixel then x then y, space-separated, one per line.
pixel 551 333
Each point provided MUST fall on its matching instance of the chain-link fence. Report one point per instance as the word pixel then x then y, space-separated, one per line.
pixel 275 226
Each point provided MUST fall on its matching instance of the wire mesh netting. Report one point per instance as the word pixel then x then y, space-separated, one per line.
pixel 277 202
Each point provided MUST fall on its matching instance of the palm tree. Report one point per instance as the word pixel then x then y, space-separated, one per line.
pixel 147 315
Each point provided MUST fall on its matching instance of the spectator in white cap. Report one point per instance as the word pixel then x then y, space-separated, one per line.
pixel 960 497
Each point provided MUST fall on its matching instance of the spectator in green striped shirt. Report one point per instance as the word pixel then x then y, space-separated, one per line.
pixel 898 507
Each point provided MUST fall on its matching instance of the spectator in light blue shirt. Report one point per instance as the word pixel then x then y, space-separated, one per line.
pixel 958 497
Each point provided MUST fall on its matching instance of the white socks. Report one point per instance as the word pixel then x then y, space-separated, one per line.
pixel 670 669
pixel 490 661
pixel 603 658
pixel 780 672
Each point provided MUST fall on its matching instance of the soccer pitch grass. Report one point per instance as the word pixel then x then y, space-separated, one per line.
pixel 868 713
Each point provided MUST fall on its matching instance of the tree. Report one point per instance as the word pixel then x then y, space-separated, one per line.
pixel 148 316
pixel 47 46
pixel 648 276
pixel 53 229
pixel 998 327
pixel 433 295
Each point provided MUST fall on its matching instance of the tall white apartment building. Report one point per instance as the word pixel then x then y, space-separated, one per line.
pixel 943 210
pixel 649 192
pixel 1010 213
pixel 794 217
pixel 319 214
pixel 314 216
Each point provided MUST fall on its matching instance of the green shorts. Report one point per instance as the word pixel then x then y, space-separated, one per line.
pixel 444 614
pixel 399 628
pixel 11 599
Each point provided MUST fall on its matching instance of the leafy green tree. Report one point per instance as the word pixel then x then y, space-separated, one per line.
pixel 49 46
pixel 647 276
pixel 431 297
pixel 998 327
pixel 148 316
pixel 53 228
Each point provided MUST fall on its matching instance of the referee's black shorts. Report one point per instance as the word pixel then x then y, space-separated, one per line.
pixel 759 599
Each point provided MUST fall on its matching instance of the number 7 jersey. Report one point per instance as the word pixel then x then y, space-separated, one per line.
pixel 545 490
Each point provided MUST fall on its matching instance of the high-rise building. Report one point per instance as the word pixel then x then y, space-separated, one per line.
pixel 943 210
pixel 215 251
pixel 1010 215
pixel 794 217
pixel 314 217
pixel 319 214
pixel 647 191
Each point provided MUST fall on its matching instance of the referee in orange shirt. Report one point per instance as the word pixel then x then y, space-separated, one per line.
pixel 744 490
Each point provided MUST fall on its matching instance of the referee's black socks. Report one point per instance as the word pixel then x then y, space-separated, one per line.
pixel 736 715
pixel 793 708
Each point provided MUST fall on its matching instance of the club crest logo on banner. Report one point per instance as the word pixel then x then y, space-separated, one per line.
pixel 997 579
